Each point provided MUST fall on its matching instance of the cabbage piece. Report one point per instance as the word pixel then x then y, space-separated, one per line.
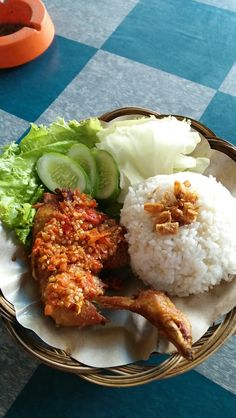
pixel 149 146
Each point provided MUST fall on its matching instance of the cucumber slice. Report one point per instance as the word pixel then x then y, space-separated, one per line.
pixel 108 178
pixel 57 171
pixel 82 155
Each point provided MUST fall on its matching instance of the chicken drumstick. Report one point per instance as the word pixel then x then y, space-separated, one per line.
pixel 72 243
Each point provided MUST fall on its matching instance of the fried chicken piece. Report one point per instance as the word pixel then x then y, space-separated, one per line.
pixel 68 297
pixel 73 242
pixel 160 311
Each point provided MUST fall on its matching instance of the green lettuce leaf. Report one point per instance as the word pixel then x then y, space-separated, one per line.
pixel 20 186
pixel 58 137
pixel 86 131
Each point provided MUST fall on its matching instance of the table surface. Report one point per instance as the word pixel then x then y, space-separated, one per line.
pixel 172 56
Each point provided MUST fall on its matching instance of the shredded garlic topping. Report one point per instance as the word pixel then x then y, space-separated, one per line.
pixel 172 213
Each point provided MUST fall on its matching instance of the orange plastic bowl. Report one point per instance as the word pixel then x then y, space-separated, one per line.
pixel 26 31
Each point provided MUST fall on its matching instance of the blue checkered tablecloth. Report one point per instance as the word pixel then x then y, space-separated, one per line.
pixel 172 56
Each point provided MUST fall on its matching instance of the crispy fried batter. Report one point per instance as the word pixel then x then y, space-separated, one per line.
pixel 73 241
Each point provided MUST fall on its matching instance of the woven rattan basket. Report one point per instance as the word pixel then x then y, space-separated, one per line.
pixel 159 366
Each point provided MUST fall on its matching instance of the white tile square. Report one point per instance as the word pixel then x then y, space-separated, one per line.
pixel 11 127
pixel 109 81
pixel 88 21
pixel 221 367
pixel 221 4
pixel 16 367
pixel 229 84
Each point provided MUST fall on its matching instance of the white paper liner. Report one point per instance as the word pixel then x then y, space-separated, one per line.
pixel 127 337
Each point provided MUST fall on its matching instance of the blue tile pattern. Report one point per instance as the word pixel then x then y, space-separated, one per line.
pixel 179 36
pixel 173 56
pixel 28 90
pixel 64 396
pixel 218 116
pixel 120 82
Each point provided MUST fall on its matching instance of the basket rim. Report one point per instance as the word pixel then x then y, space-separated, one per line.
pixel 130 375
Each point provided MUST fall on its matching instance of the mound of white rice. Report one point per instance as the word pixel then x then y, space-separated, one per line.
pixel 200 255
